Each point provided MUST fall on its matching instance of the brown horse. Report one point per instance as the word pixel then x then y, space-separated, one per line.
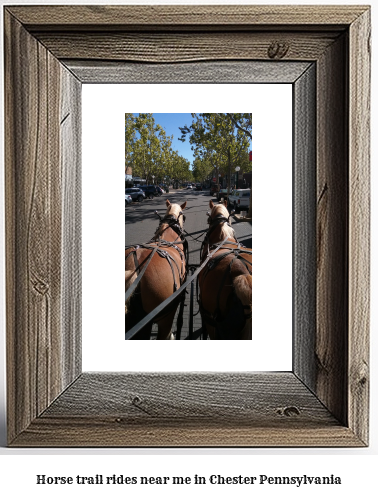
pixel 225 283
pixel 164 274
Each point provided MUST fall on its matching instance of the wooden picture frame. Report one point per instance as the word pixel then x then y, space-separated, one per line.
pixel 49 52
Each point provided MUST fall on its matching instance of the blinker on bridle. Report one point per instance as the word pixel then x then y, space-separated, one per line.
pixel 219 219
pixel 173 222
pixel 170 217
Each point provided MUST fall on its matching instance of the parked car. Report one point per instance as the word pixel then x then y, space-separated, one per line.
pixel 128 199
pixel 189 186
pixel 136 194
pixel 239 199
pixel 160 190
pixel 222 194
pixel 198 187
pixel 165 188
pixel 151 191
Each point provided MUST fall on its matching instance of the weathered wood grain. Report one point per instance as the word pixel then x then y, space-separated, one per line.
pixel 32 311
pixel 98 432
pixel 304 227
pixel 184 16
pixel 332 229
pixel 34 239
pixel 233 409
pixel 70 161
pixel 181 47
pixel 200 72
pixel 228 397
pixel 359 226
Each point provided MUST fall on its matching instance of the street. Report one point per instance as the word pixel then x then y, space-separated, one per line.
pixel 141 223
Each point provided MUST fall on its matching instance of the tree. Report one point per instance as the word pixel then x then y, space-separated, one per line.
pixel 129 140
pixel 150 148
pixel 181 168
pixel 243 122
pixel 202 169
pixel 215 138
pixel 163 158
pixel 149 151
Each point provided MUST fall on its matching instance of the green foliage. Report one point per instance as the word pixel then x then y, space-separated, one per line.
pixel 243 122
pixel 148 150
pixel 129 139
pixel 202 169
pixel 220 141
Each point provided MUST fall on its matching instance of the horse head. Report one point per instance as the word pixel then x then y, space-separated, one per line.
pixel 219 222
pixel 175 210
pixel 218 211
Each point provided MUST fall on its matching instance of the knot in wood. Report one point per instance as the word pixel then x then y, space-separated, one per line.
pixel 363 380
pixel 362 375
pixel 41 287
pixel 277 50
pixel 136 400
pixel 288 411
pixel 140 404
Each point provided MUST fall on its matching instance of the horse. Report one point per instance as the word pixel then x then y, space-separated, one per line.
pixel 166 256
pixel 225 283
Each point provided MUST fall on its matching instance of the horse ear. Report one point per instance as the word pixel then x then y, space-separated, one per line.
pixel 183 206
pixel 168 203
pixel 225 203
pixel 211 204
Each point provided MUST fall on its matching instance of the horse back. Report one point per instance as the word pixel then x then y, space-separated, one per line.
pixel 226 294
pixel 162 276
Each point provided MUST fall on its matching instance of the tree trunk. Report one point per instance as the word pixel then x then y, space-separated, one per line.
pixel 217 178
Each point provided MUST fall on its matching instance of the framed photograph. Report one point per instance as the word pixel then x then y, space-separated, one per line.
pixel 102 214
pixel 324 53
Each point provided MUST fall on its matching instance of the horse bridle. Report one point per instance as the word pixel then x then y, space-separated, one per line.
pixel 173 222
pixel 213 223
pixel 218 219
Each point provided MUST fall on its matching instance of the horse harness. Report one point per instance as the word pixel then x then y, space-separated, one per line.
pixel 159 246
pixel 238 253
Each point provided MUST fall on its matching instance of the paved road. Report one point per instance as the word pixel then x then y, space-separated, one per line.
pixel 141 223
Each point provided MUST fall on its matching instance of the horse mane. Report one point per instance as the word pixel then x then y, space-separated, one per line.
pixel 160 230
pixel 226 231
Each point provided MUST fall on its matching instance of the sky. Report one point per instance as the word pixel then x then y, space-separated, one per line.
pixel 171 123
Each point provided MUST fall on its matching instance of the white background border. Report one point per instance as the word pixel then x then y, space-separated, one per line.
pixel 104 347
